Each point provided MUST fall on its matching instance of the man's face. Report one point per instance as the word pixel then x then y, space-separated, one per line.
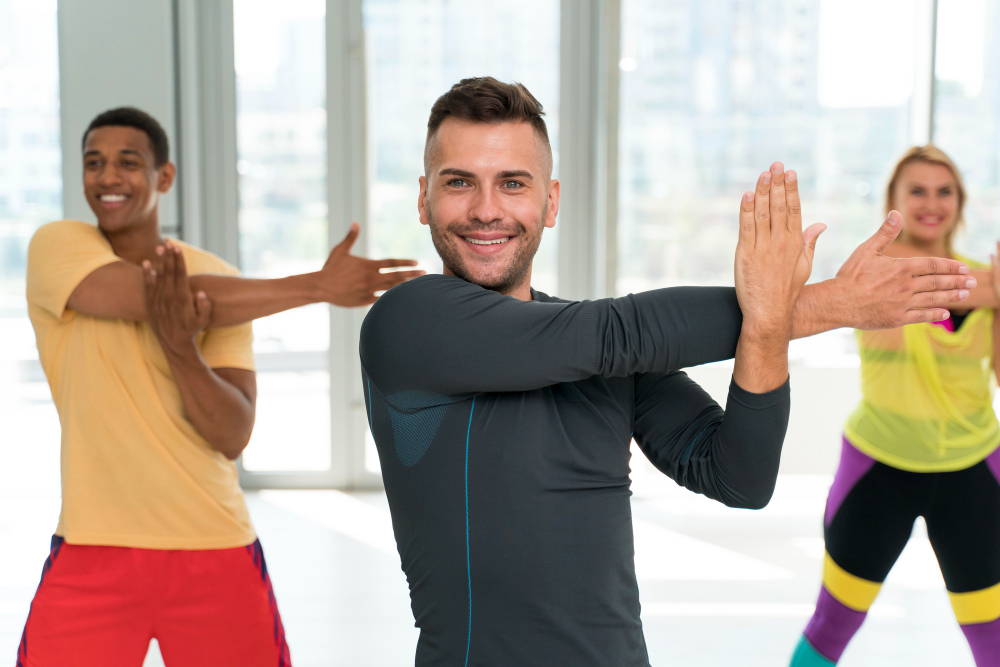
pixel 487 197
pixel 120 178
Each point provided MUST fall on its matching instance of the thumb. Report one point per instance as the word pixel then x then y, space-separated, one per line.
pixel 204 307
pixel 809 237
pixel 887 233
pixel 344 247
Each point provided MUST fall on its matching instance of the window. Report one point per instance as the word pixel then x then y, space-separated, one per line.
pixel 967 104
pixel 711 97
pixel 29 107
pixel 281 118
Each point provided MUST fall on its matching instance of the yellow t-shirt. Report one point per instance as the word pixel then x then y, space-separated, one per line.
pixel 135 473
pixel 927 395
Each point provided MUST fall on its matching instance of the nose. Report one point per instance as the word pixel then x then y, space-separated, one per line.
pixel 109 176
pixel 486 206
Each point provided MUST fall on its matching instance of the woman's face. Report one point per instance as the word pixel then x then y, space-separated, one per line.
pixel 927 197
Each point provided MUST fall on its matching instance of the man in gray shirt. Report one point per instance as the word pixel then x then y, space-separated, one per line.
pixel 503 416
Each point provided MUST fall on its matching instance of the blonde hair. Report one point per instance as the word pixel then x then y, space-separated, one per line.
pixel 931 155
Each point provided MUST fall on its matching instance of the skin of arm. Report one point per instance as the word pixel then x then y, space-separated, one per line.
pixel 116 291
pixel 219 403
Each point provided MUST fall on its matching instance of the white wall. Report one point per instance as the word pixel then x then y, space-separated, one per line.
pixel 113 53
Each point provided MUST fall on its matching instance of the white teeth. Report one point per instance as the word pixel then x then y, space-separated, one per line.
pixel 112 198
pixel 493 242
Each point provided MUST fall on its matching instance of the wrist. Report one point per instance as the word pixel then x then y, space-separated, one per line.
pixel 181 353
pixel 311 288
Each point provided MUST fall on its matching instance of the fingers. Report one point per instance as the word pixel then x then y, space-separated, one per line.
pixel 932 315
pixel 936 283
pixel 925 266
pixel 747 222
pixel 203 309
pixel 939 299
pixel 809 237
pixel 887 233
pixel 148 280
pixel 779 208
pixel 344 247
pixel 792 202
pixel 180 273
pixel 388 280
pixel 392 263
pixel 169 278
pixel 762 207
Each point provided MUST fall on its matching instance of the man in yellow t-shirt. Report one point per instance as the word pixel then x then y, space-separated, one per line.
pixel 152 373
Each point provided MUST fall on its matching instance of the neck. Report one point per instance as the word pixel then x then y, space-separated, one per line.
pixel 934 248
pixel 521 292
pixel 137 241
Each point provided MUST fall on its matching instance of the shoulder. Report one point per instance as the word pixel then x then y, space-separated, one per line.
pixel 420 293
pixel 67 231
pixel 203 261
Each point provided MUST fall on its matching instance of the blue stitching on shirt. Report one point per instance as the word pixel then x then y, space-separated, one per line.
pixel 689 450
pixel 370 427
pixel 468 560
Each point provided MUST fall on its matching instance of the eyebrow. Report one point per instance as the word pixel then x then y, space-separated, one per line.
pixel 516 173
pixel 461 173
pixel 456 172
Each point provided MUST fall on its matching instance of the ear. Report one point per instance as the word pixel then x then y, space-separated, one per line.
pixel 422 201
pixel 550 216
pixel 165 180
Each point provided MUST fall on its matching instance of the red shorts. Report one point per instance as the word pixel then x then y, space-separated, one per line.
pixel 102 606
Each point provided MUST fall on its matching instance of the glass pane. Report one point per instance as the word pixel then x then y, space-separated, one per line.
pixel 713 93
pixel 417 49
pixel 966 112
pixel 281 133
pixel 30 195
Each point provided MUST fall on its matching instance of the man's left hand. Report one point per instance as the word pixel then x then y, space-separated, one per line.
pixel 176 316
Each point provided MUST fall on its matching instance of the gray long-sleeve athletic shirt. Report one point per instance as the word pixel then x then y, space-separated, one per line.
pixel 503 430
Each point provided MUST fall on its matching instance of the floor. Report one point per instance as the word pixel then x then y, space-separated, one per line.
pixel 719 587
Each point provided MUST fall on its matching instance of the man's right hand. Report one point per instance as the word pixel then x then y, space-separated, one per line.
pixel 348 281
pixel 876 291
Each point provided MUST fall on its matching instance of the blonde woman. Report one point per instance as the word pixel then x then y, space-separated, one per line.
pixel 923 442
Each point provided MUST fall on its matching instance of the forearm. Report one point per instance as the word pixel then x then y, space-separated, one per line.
pixel 746 448
pixel 221 413
pixel 238 300
pixel 731 456
pixel 761 360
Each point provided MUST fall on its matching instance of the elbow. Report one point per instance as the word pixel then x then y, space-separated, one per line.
pixel 758 501
pixel 231 445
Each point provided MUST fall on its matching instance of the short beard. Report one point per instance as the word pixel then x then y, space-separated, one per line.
pixel 512 275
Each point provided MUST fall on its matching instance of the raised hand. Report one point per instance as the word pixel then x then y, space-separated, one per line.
pixel 176 316
pixel 774 256
pixel 349 281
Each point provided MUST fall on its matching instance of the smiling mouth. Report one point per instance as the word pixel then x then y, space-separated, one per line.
pixel 475 241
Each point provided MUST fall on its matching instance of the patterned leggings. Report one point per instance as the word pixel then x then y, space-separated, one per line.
pixel 869 517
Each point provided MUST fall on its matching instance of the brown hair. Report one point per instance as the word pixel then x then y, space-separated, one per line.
pixel 485 100
pixel 931 155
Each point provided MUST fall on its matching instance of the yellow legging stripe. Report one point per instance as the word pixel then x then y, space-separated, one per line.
pixel 853 592
pixel 978 606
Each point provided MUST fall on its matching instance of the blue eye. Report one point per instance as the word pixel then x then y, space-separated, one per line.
pixel 511 185
pixel 458 182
